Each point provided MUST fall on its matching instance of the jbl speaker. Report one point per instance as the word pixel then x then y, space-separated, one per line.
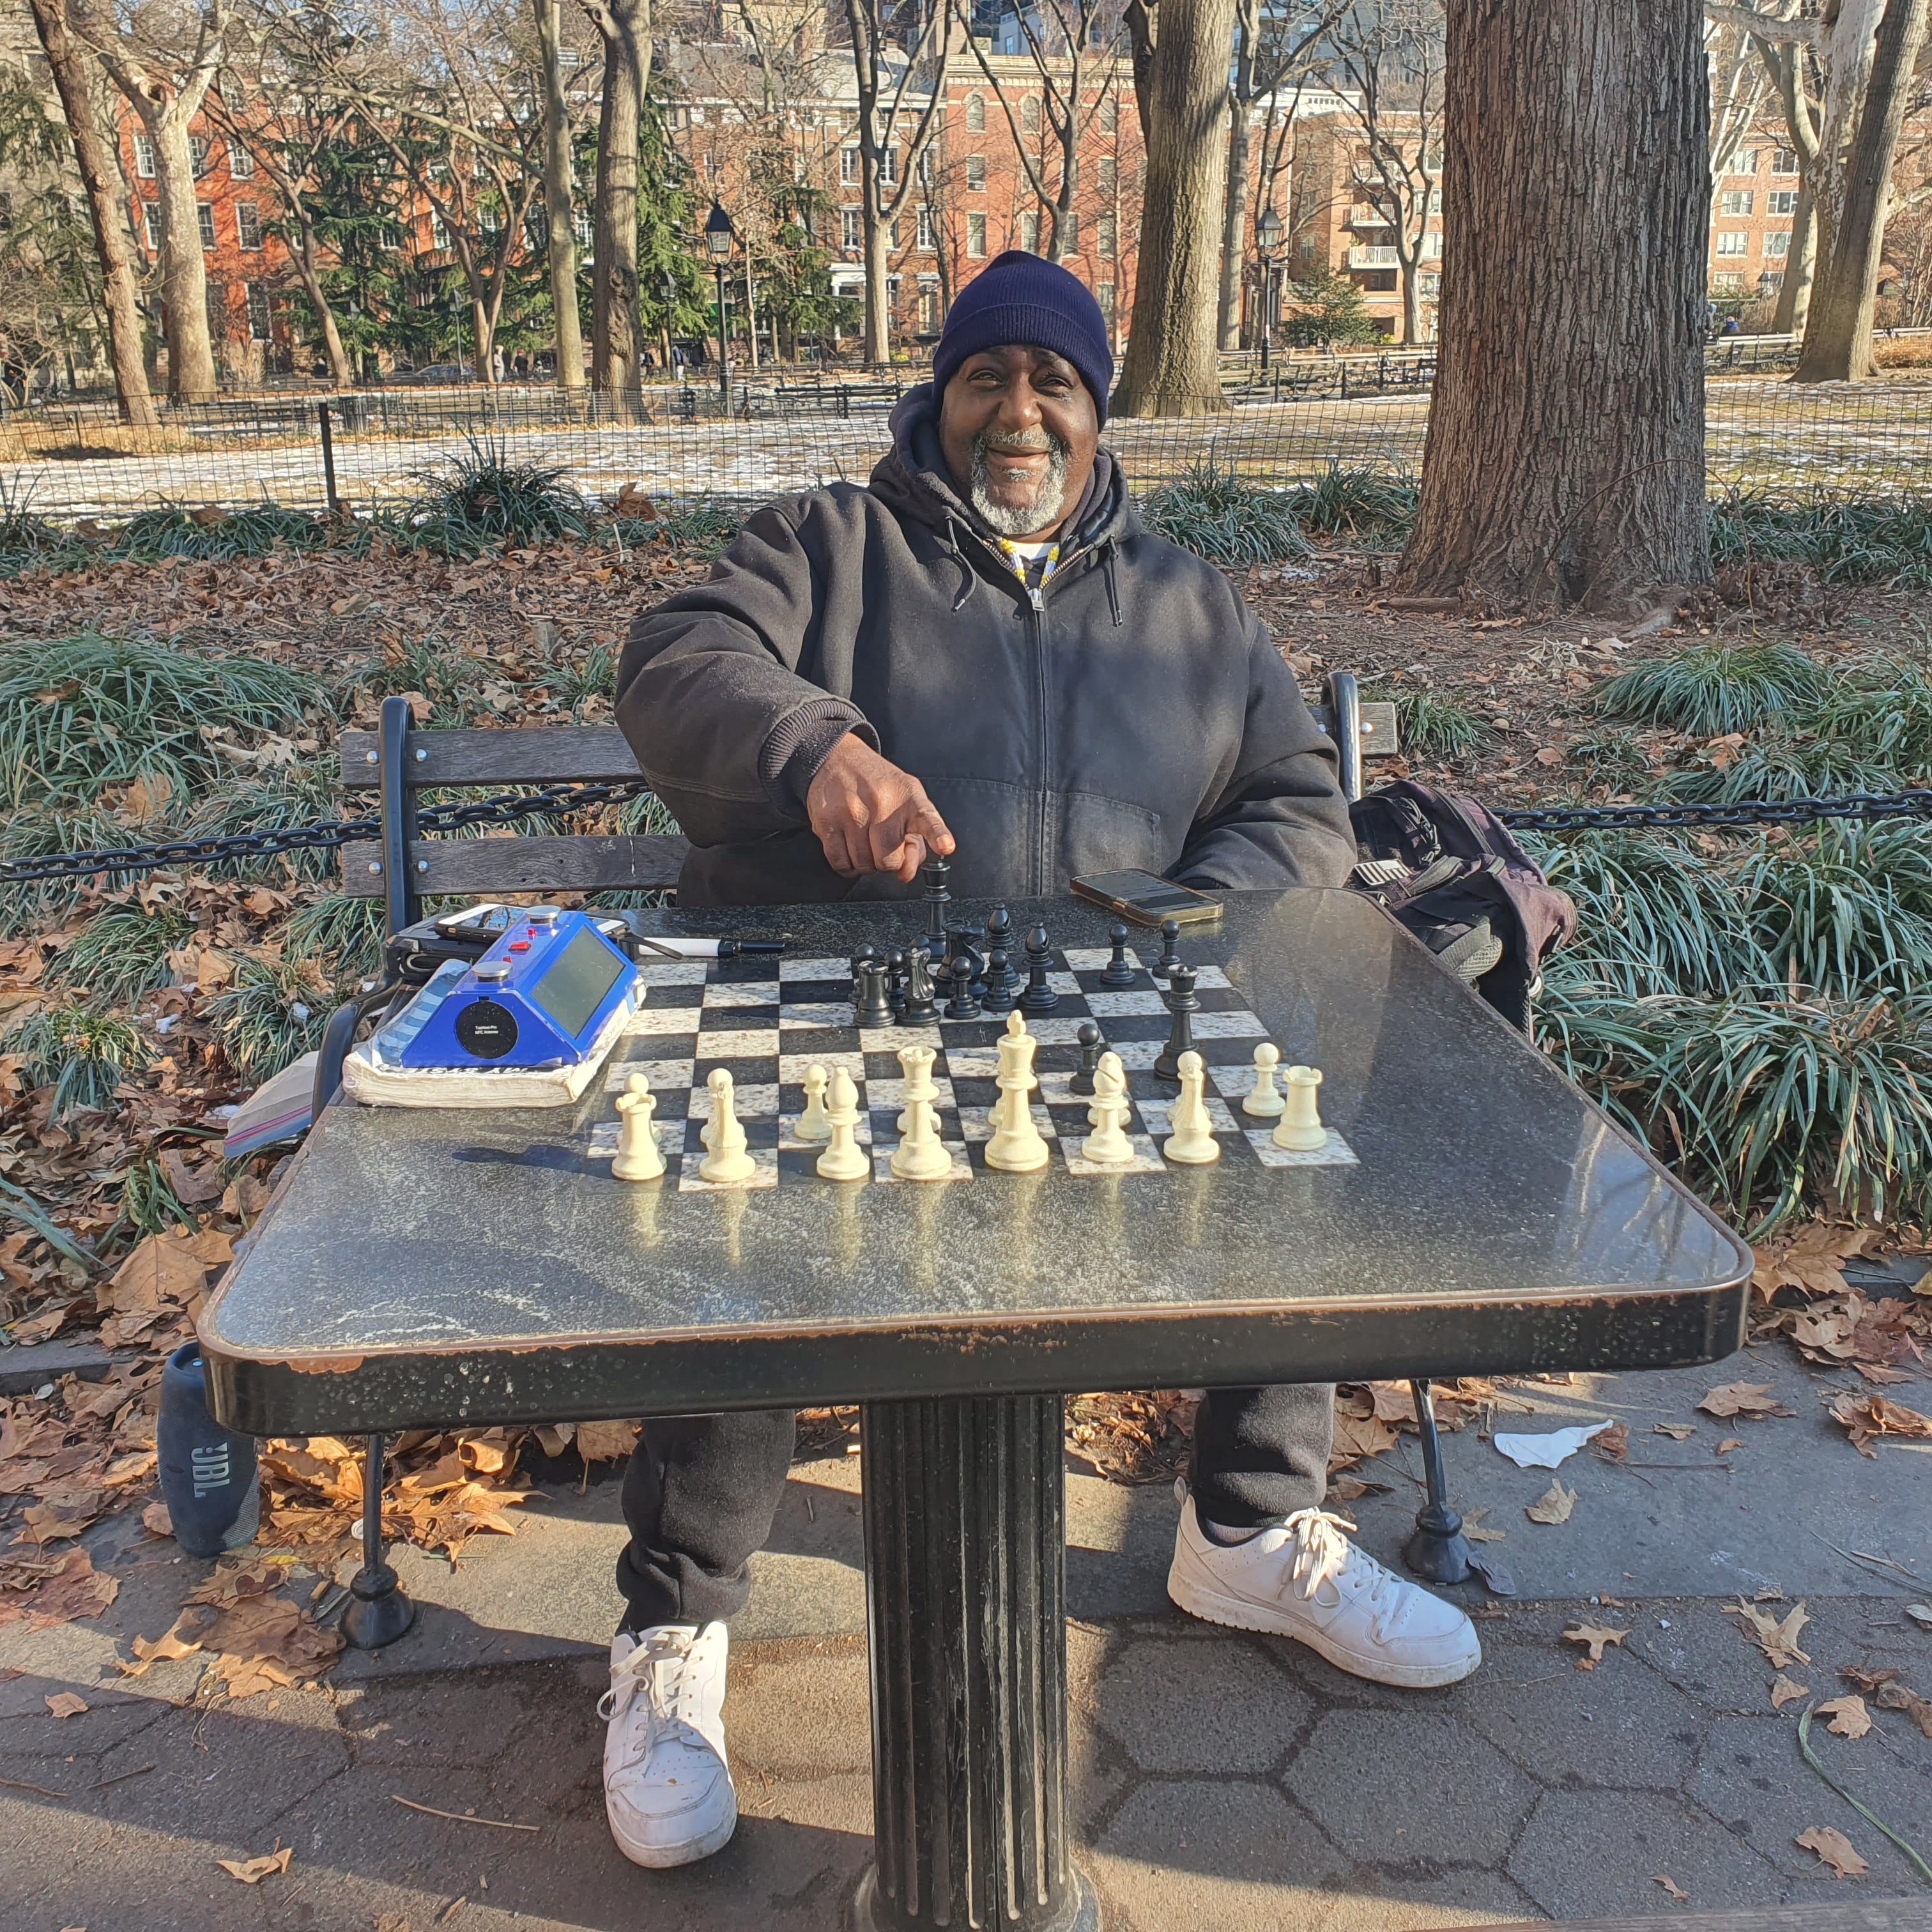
pixel 208 1472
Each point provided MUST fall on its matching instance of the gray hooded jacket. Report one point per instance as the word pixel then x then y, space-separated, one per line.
pixel 1130 712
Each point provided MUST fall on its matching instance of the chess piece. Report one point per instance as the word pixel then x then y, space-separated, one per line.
pixel 1170 949
pixel 1181 1002
pixel 935 872
pixel 1038 996
pixel 1264 1102
pixel 1017 1146
pixel 920 1008
pixel 1192 1142
pixel 861 959
pixel 844 1160
pixel 1108 1145
pixel 639 1157
pixel 920 1156
pixel 1117 972
pixel 1082 1082
pixel 1000 930
pixel 962 966
pixel 1002 982
pixel 1300 1128
pixel 813 1124
pixel 727 1160
pixel 874 1009
pixel 895 979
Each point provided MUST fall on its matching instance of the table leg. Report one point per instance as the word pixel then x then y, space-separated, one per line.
pixel 377 1611
pixel 965 1577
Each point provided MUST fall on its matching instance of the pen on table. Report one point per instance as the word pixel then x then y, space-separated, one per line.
pixel 713 949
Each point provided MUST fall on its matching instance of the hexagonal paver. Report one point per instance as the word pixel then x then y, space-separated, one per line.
pixel 1418 1788
pixel 1587 1854
pixel 1216 1708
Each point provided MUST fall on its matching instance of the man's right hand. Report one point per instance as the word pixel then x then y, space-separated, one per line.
pixel 870 816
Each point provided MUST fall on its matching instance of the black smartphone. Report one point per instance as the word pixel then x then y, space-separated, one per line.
pixel 1146 899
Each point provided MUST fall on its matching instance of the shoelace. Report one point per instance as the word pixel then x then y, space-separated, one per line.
pixel 667 1692
pixel 1323 1551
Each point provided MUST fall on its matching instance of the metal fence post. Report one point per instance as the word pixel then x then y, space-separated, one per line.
pixel 328 460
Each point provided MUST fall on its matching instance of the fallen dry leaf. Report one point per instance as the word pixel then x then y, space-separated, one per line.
pixel 1554 1505
pixel 1778 1641
pixel 1670 1885
pixel 1866 1680
pixel 166 1649
pixel 1596 1636
pixel 65 1704
pixel 1921 1614
pixel 57 1592
pixel 1784 1692
pixel 156 1520
pixel 1868 1416
pixel 1477 1531
pixel 606 1441
pixel 1834 1849
pixel 1614 1443
pixel 252 1871
pixel 1677 1432
pixel 1730 1443
pixel 1900 1697
pixel 1746 1398
pixel 1812 1259
pixel 1849 1717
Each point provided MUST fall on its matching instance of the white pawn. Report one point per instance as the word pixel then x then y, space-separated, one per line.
pixel 727 1160
pixel 1108 1145
pixel 1192 1141
pixel 1265 1102
pixel 639 1157
pixel 812 1123
pixel 1018 1146
pixel 920 1156
pixel 1299 1127
pixel 844 1160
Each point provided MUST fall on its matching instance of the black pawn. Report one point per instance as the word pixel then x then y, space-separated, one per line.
pixel 1117 972
pixel 895 978
pixel 1038 996
pixel 1170 949
pixel 1002 982
pixel 920 1009
pixel 1183 1005
pixel 875 1009
pixel 1089 1037
pixel 958 973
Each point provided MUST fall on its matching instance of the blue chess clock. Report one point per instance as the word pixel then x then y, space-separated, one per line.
pixel 539 997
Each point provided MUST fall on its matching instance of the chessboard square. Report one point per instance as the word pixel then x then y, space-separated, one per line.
pixel 889 1039
pixel 1056 1087
pixel 823 1016
pixel 1239 1024
pixel 882 1166
pixel 972 1062
pixel 1210 979
pixel 1087 959
pixel 788 1132
pixel 1104 1005
pixel 674 973
pixel 1065 983
pixel 737 1043
pixel 741 993
pixel 816 967
pixel 665 1076
pixel 1334 1152
pixel 1147 1159
pixel 1159 1114
pixel 764 1173
pixel 1061 1029
pixel 792 1067
pixel 1138 1056
pixel 1236 1080
pixel 604 1137
pixel 657 1020
pixel 750 1100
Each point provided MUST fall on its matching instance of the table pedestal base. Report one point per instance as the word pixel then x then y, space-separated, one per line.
pixel 965 1567
pixel 377 1611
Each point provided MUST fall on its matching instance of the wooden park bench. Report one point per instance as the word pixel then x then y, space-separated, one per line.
pixel 839 401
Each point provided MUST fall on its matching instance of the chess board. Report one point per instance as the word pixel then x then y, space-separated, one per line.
pixel 698 1016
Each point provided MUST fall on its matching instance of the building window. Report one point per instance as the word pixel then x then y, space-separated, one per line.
pixel 1781 201
pixel 1746 162
pixel 241 164
pixel 204 213
pixel 1103 294
pixel 1110 116
pixel 439 230
pixel 1733 242
pixel 1109 178
pixel 848 167
pixel 976 174
pixel 1104 238
pixel 975 237
pixel 892 235
pixel 1736 201
pixel 889 166
pixel 1030 233
pixel 248 225
pixel 976 113
pixel 925 165
pixel 198 154
pixel 144 157
pixel 1784 161
pixel 1030 115
pixel 258 311
pixel 892 294
pixel 929 311
pixel 1770 283
pixel 583 227
pixel 1777 244
pixel 923 242
pixel 852 230
pixel 1727 285
pixel 151 228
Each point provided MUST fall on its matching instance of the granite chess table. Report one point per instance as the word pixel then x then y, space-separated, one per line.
pixel 422 1268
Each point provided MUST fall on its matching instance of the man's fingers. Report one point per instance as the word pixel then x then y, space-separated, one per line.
pixel 926 821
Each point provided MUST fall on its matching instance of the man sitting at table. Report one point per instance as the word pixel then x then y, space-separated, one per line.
pixel 981 653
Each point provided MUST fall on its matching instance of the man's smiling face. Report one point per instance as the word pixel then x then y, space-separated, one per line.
pixel 1019 433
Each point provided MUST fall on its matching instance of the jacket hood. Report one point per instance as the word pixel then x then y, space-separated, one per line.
pixel 914 481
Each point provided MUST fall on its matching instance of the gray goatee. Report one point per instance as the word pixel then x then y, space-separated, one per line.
pixel 1049 496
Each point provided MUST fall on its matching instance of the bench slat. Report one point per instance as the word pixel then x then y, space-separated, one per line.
pixel 530 754
pixel 583 863
pixel 1381 734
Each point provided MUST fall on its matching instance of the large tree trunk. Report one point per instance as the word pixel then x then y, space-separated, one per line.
pixel 1171 368
pixel 1411 304
pixel 617 327
pixel 1794 292
pixel 102 180
pixel 184 278
pixel 309 269
pixel 1234 218
pixel 878 306
pixel 1838 331
pixel 562 244
pixel 1564 463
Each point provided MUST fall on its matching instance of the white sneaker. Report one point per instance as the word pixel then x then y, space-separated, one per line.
pixel 668 1790
pixel 1304 1579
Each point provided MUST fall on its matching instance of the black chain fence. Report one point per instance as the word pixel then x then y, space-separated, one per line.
pixel 557 801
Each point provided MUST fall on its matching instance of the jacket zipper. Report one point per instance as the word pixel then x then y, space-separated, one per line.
pixel 1036 625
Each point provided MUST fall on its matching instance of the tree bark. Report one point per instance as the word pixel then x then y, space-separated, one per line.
pixel 101 178
pixel 1838 331
pixel 1171 368
pixel 1794 293
pixel 878 303
pixel 1234 218
pixel 561 246
pixel 183 276
pixel 309 270
pixel 1564 463
pixel 616 325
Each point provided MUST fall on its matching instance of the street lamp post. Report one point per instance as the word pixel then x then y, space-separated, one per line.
pixel 718 233
pixel 1268 239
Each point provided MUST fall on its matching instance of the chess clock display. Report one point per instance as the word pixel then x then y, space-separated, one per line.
pixel 538 997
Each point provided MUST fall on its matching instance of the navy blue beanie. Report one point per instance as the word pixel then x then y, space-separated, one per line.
pixel 1018 298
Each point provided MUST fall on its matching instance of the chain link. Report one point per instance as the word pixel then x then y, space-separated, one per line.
pixel 556 800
